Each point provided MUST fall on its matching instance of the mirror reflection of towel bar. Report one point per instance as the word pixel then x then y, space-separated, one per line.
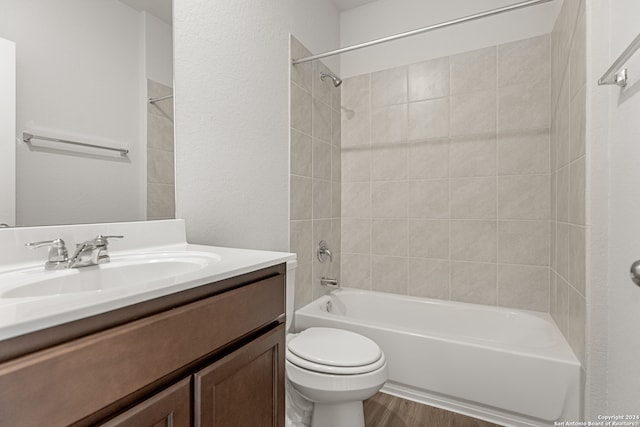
pixel 26 137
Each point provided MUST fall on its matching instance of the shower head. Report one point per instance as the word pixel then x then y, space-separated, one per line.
pixel 336 80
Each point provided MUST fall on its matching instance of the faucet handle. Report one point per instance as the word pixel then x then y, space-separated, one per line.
pixel 57 253
pixel 101 240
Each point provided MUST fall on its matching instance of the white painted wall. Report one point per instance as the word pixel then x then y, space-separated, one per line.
pixel 232 110
pixel 79 65
pixel 7 131
pixel 316 24
pixel 158 50
pixel 613 25
pixel 387 17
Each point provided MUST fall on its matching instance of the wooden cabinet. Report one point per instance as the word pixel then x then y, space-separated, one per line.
pixel 245 388
pixel 227 346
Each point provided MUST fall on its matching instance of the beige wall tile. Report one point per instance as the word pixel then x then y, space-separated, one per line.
pixel 389 87
pixel 474 282
pixel 429 119
pixel 577 192
pixel 336 200
pixel 356 235
pixel 321 121
pixel 390 274
pixel 321 88
pixel 336 128
pixel 356 131
pixel 473 198
pixel 389 162
pixel 161 201
pixel 159 132
pixel 389 124
pixel 473 156
pixel 562 305
pixel 429 278
pixel 300 240
pixel 321 160
pixel 336 98
pixel 355 94
pixel 303 287
pixel 578 126
pixel 301 73
pixel 300 109
pixel 429 239
pixel 577 258
pixel 429 159
pixel 524 61
pixel 356 271
pixel 578 55
pixel 160 167
pixel 321 199
pixel 523 242
pixel 162 109
pixel 301 198
pixel 524 197
pixel 525 152
pixel 390 237
pixel 473 71
pixel 562 250
pixel 336 164
pixel 474 241
pixel 356 164
pixel 389 199
pixel 523 106
pixel 576 323
pixel 301 149
pixel 473 113
pixel 562 121
pixel 523 287
pixel 429 79
pixel 428 199
pixel 562 194
pixel 356 200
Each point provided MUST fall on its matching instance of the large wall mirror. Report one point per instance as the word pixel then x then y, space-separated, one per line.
pixel 85 72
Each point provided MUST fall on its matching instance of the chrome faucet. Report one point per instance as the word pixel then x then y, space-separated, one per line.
pixel 330 283
pixel 91 252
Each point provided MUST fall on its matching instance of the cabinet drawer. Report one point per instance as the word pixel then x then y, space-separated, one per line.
pixel 169 408
pixel 68 382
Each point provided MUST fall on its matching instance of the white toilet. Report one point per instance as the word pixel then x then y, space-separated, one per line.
pixel 333 368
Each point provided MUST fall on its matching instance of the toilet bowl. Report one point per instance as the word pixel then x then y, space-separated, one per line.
pixel 333 368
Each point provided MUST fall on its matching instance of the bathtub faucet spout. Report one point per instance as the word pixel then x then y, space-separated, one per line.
pixel 331 283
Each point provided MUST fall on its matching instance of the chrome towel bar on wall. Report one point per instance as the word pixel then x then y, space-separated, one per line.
pixel 615 75
pixel 27 137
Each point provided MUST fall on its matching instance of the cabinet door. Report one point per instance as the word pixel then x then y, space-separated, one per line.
pixel 245 388
pixel 169 408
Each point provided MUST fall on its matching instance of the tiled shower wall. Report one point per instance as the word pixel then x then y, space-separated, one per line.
pixel 160 160
pixel 568 183
pixel 446 177
pixel 315 174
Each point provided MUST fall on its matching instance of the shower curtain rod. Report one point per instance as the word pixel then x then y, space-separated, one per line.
pixel 421 30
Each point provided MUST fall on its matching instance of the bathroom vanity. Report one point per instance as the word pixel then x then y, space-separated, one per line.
pixel 206 349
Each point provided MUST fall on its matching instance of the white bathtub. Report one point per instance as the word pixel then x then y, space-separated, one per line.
pixel 507 366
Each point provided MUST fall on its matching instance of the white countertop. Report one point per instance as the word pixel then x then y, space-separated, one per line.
pixel 19 316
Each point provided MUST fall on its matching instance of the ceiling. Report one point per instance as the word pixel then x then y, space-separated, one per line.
pixel 343 5
pixel 158 8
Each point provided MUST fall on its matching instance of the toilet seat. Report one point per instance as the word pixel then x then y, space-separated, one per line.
pixel 334 351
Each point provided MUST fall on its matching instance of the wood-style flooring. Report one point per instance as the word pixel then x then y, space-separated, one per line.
pixel 384 410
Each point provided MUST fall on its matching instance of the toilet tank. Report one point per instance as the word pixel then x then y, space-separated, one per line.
pixel 291 291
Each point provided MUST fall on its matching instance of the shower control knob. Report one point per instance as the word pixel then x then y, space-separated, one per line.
pixel 635 272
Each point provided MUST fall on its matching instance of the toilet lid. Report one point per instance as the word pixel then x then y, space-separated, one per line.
pixel 334 347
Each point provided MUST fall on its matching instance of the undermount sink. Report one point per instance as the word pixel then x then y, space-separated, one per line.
pixel 122 271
